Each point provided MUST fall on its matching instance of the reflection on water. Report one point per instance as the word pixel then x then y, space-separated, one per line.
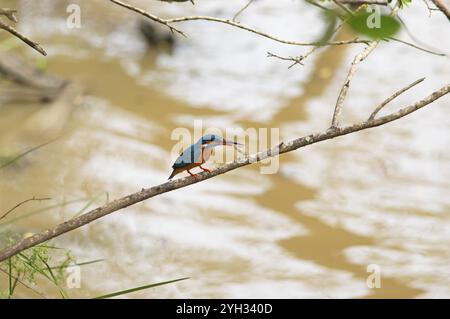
pixel 376 197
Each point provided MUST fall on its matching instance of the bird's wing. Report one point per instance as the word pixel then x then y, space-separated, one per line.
pixel 189 156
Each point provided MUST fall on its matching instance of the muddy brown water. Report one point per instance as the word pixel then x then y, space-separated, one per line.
pixel 310 230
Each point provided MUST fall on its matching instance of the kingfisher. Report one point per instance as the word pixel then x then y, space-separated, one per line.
pixel 197 154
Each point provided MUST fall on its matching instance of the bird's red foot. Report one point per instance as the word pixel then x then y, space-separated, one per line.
pixel 193 175
pixel 205 169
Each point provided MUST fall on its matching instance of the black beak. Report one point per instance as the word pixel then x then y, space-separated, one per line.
pixel 230 143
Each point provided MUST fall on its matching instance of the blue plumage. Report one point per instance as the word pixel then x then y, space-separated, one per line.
pixel 190 155
pixel 198 153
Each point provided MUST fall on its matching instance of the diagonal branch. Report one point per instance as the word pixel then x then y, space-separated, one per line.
pixel 242 9
pixel 192 1
pixel 393 96
pixel 169 22
pixel 147 193
pixel 442 7
pixel 417 47
pixel 359 2
pixel 358 58
pixel 10 14
pixel 21 203
pixel 260 33
pixel 344 90
pixel 294 59
pixel 148 15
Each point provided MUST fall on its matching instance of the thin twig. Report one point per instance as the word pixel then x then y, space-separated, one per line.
pixel 23 202
pixel 335 122
pixel 359 2
pixel 345 18
pixel 242 9
pixel 169 22
pixel 301 58
pixel 428 7
pixel 148 15
pixel 417 47
pixel 393 96
pixel 9 13
pixel 294 59
pixel 344 8
pixel 147 193
pixel 20 36
pixel 442 7
pixel 263 34
pixel 192 1
pixel 344 89
pixel 320 6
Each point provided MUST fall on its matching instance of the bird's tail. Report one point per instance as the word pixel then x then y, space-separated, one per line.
pixel 175 172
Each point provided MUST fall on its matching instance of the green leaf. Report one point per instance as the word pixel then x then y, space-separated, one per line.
pixel 404 3
pixel 374 27
pixel 123 292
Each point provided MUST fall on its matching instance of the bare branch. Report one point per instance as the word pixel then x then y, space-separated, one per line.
pixel 344 90
pixel 359 2
pixel 420 45
pixel 147 193
pixel 344 8
pixel 358 58
pixel 442 7
pixel 320 6
pixel 242 9
pixel 417 47
pixel 192 1
pixel 301 58
pixel 9 13
pixel 17 34
pixel 263 34
pixel 428 7
pixel 294 59
pixel 393 96
pixel 148 15
pixel 169 22
pixel 23 202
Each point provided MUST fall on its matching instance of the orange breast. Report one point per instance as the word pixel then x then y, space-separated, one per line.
pixel 206 154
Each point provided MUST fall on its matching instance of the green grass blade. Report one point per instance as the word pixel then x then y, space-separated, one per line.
pixel 10 278
pixel 54 280
pixel 88 204
pixel 19 156
pixel 41 210
pixel 123 292
pixel 80 264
